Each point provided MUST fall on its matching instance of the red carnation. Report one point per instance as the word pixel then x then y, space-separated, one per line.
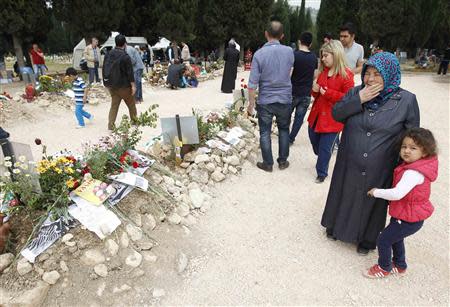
pixel 38 141
pixel 135 164
pixel 245 85
pixel 121 170
pixel 76 184
pixel 242 85
pixel 242 80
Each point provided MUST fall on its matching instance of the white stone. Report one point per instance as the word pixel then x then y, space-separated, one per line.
pixel 233 160
pixel 244 154
pixel 183 209
pixel 210 167
pixel 5 261
pixel 67 237
pixel 63 266
pixel 173 190
pixel 149 256
pixel 156 178
pixel 188 220
pixel 216 158
pixel 174 219
pixel 197 197
pixel 51 277
pixel 24 267
pixel 179 184
pixel 134 232
pixel 158 292
pixel 201 158
pixel 123 288
pixel 185 164
pixel 92 257
pixel 168 180
pixel 70 243
pixel 134 259
pixel 199 175
pixel 101 270
pixel 33 297
pixel 138 273
pixel 217 176
pixel 206 206
pixel 112 247
pixel 182 262
pixel 149 222
pixel 232 170
pixel 193 186
pixel 190 156
pixel 124 240
pixel 145 245
pixel 136 218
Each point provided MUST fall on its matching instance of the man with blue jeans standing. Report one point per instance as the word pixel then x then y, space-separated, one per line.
pixel 305 65
pixel 92 56
pixel 271 73
pixel 138 69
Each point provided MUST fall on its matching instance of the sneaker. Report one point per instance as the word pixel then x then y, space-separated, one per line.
pixel 264 167
pixel 320 179
pixel 79 127
pixel 283 165
pixel 91 118
pixel 397 270
pixel 376 272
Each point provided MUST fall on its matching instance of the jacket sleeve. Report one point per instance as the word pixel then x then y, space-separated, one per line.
pixel 87 55
pixel 348 106
pixel 413 115
pixel 335 95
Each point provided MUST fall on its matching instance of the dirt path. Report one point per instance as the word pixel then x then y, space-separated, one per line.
pixel 262 243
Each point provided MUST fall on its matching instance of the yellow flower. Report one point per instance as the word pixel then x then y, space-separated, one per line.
pixel 70 183
pixel 69 170
pixel 58 170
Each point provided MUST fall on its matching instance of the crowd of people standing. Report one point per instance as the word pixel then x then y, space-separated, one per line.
pixel 376 119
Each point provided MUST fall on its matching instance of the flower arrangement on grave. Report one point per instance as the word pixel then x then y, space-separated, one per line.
pixel 53 85
pixel 211 124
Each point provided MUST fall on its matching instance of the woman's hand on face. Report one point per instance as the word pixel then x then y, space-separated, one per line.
pixel 369 92
pixel 370 193
pixel 315 87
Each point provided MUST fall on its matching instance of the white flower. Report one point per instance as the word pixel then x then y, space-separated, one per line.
pixel 16 171
pixel 6 174
pixel 17 164
pixel 7 158
pixel 24 167
pixel 8 164
pixel 27 175
pixel 22 158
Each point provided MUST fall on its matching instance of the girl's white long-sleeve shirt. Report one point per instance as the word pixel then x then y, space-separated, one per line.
pixel 409 180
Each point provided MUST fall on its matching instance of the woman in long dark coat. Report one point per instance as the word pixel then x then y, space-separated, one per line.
pixel 375 115
pixel 231 58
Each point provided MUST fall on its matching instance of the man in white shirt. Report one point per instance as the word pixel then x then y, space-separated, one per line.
pixel 354 52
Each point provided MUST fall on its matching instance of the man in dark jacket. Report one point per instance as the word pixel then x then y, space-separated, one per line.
pixel 118 77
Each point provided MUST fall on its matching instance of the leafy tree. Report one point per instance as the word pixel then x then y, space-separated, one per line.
pixel 302 17
pixel 330 17
pixel 280 13
pixel 140 19
pixel 91 18
pixel 24 21
pixel 308 21
pixel 176 19
pixel 294 19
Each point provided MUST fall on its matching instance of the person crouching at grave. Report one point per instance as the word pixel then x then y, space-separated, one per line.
pixel 189 77
pixel 174 75
pixel 81 91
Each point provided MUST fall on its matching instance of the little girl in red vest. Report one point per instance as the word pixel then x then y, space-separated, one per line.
pixel 409 200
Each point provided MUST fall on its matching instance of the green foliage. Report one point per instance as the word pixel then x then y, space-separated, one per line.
pixel 280 12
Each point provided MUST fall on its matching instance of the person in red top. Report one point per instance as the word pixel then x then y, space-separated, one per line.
pixel 38 60
pixel 409 200
pixel 334 81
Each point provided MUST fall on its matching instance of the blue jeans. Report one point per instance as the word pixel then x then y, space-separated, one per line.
pixel 282 113
pixel 300 105
pixel 93 72
pixel 81 114
pixel 138 81
pixel 322 144
pixel 390 241
pixel 39 70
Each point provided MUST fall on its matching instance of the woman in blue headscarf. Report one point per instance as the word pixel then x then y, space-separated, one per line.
pixel 375 115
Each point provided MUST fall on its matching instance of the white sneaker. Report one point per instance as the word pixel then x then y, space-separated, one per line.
pixel 79 127
pixel 90 119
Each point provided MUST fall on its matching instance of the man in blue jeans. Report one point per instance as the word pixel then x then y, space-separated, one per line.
pixel 305 65
pixel 271 73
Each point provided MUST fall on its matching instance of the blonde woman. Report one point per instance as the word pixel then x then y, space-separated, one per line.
pixel 334 81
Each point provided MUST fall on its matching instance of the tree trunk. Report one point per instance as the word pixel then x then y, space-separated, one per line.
pixel 17 42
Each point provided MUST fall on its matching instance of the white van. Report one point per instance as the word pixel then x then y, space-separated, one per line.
pixel 107 46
